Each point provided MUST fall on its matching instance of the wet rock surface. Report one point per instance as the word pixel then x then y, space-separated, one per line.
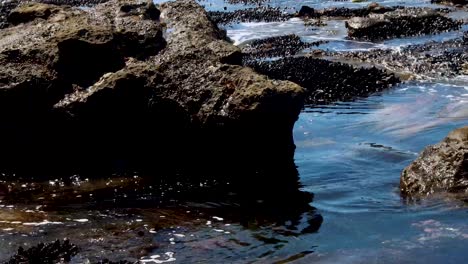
pixel 248 2
pixel 258 14
pixel 5 8
pixel 72 2
pixel 281 46
pixel 451 2
pixel 326 81
pixel 344 12
pixel 399 23
pixel 45 253
pixel 440 168
pixel 106 82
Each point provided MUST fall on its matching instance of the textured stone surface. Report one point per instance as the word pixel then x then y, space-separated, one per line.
pixel 399 23
pixel 440 168
pixel 327 81
pixel 101 87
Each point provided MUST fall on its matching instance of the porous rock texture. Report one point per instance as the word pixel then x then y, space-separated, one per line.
pixel 102 88
pixel 326 81
pixel 440 168
pixel 400 23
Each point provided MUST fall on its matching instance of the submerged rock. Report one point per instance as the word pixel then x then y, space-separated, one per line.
pixel 56 252
pixel 281 46
pixel 440 168
pixel 72 2
pixel 258 14
pixel 451 2
pixel 85 89
pixel 429 60
pixel 345 12
pixel 399 23
pixel 326 81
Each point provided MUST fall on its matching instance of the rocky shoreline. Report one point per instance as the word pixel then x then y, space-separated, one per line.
pixel 213 92
pixel 104 82
pixel 128 88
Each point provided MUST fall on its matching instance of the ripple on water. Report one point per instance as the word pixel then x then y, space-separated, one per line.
pixel 355 175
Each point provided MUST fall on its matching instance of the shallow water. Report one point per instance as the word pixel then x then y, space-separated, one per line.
pixel 349 156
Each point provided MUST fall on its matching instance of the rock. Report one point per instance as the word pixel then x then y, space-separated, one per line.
pixel 45 253
pixel 399 23
pixel 464 68
pixel 247 2
pixel 31 11
pixel 326 81
pixel 451 2
pixel 5 8
pixel 258 14
pixel 440 168
pixel 306 11
pixel 46 57
pixel 72 2
pixel 344 12
pixel 84 90
pixel 280 46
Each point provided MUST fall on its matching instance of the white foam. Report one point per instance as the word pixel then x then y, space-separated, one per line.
pixel 45 222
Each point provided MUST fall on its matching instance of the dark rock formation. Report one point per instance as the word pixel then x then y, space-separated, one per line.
pixel 5 8
pixel 61 50
pixel 247 2
pixel 259 14
pixel 451 2
pixel 399 23
pixel 72 2
pixel 56 252
pixel 344 12
pixel 440 168
pixel 326 81
pixel 82 90
pixel 276 47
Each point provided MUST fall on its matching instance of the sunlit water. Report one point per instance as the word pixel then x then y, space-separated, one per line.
pixel 349 155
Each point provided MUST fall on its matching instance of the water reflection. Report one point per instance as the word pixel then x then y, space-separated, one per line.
pixel 248 215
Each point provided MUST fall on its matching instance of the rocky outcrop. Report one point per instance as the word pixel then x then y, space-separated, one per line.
pixel 326 81
pixel 440 168
pixel 451 2
pixel 344 12
pixel 280 46
pixel 258 14
pixel 5 8
pixel 399 23
pixel 45 253
pixel 85 89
